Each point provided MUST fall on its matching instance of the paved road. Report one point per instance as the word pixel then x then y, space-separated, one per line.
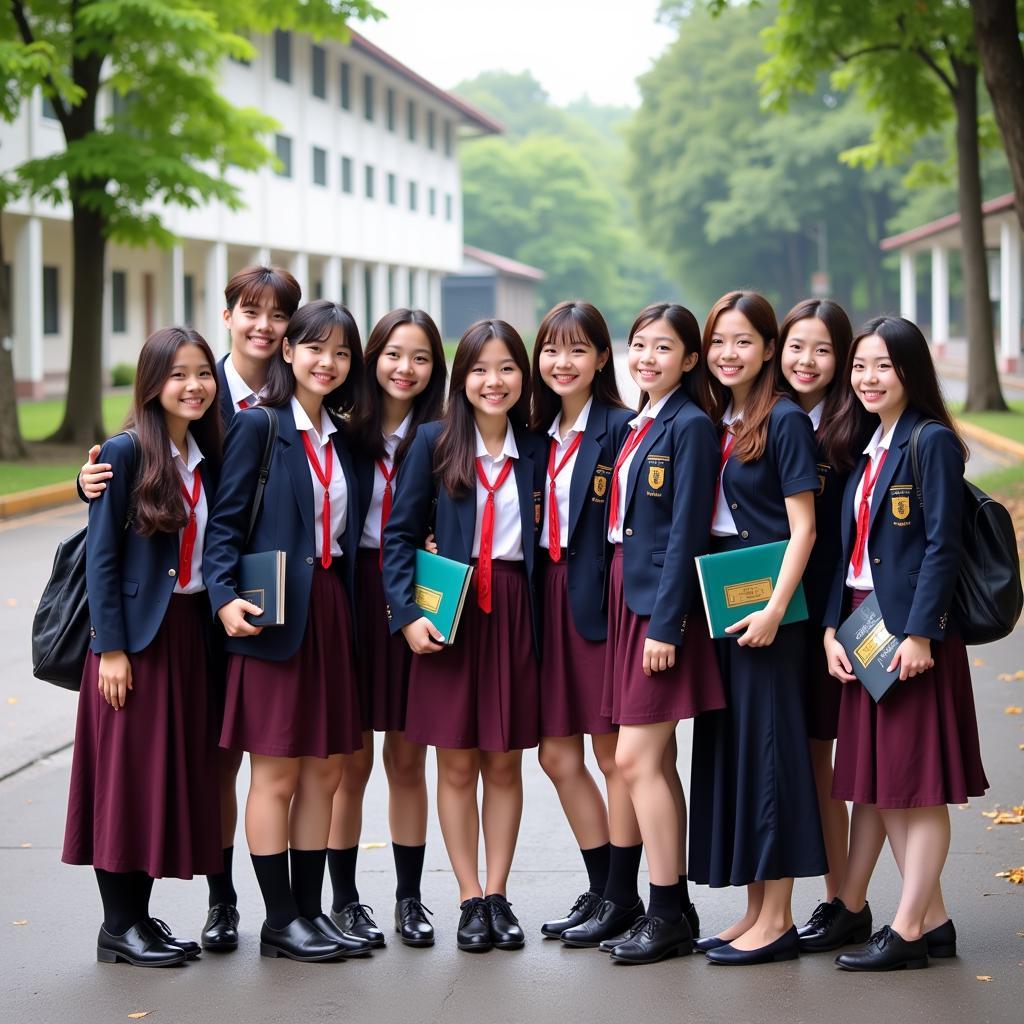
pixel 49 912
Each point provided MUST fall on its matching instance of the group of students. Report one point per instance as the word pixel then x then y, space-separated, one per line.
pixel 582 520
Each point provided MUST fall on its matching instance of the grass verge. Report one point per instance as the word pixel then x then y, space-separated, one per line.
pixel 40 419
pixel 1005 424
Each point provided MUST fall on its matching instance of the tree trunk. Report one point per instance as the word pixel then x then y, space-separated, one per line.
pixel 983 390
pixel 997 34
pixel 11 444
pixel 83 413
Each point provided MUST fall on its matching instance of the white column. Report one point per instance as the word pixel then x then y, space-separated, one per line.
pixel 260 257
pixel 357 293
pixel 107 328
pixel 172 287
pixel 940 299
pixel 1009 295
pixel 299 266
pixel 434 307
pixel 332 278
pixel 215 279
pixel 421 289
pixel 27 305
pixel 908 286
pixel 381 274
pixel 401 278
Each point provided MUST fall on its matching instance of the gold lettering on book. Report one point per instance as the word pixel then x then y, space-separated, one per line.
pixel 875 641
pixel 751 592
pixel 429 600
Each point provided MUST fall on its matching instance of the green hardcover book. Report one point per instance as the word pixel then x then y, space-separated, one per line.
pixel 736 583
pixel 441 588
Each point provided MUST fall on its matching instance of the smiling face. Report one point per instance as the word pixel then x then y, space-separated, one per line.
pixel 657 359
pixel 809 360
pixel 494 382
pixel 190 387
pixel 737 353
pixel 256 326
pixel 874 379
pixel 569 366
pixel 405 363
pixel 319 366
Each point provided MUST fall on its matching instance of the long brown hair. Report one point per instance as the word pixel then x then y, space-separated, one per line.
pixel 455 452
pixel 685 325
pixel 158 504
pixel 751 429
pixel 572 323
pixel 837 323
pixel 426 406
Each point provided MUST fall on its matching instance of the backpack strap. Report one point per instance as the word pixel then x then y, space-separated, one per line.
pixel 915 462
pixel 133 503
pixel 261 480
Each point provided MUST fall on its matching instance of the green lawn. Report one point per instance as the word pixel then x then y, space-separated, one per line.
pixel 1006 424
pixel 25 476
pixel 40 419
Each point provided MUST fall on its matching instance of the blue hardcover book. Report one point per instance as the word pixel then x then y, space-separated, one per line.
pixel 441 588
pixel 870 647
pixel 261 581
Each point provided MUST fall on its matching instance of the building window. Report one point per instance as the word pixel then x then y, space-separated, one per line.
pixel 118 301
pixel 431 129
pixel 51 300
pixel 412 196
pixel 283 149
pixel 319 166
pixel 189 290
pixel 346 174
pixel 8 282
pixel 368 97
pixel 411 286
pixel 391 287
pixel 392 189
pixel 449 206
pixel 318 289
pixel 319 83
pixel 447 138
pixel 410 120
pixel 389 97
pixel 346 86
pixel 368 291
pixel 432 202
pixel 282 55
pixel 369 175
pixel 49 111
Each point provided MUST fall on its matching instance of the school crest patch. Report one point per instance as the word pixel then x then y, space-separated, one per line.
pixel 655 477
pixel 901 506
pixel 600 485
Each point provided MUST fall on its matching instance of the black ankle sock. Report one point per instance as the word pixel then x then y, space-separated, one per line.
pixel 408 870
pixel 222 887
pixel 308 881
pixel 342 865
pixel 684 892
pixel 664 903
pixel 125 902
pixel 272 875
pixel 623 867
pixel 596 861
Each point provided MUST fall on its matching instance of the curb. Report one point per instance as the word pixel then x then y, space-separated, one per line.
pixel 20 502
pixel 959 370
pixel 991 440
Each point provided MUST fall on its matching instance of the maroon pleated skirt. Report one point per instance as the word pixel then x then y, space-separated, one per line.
pixel 483 691
pixel 383 660
pixel 692 686
pixel 307 705
pixel 144 794
pixel 822 692
pixel 572 667
pixel 918 747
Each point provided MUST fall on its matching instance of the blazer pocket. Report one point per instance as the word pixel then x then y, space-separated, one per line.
pixel 658 557
pixel 912 576
pixel 130 587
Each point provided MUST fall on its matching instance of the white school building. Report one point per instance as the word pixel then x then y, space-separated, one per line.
pixel 365 207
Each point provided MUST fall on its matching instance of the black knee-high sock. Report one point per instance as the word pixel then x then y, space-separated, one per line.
pixel 684 892
pixel 272 875
pixel 120 893
pixel 408 870
pixel 221 884
pixel 623 868
pixel 596 861
pixel 342 865
pixel 308 881
pixel 664 903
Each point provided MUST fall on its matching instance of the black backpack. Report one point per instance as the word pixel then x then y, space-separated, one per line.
pixel 61 626
pixel 988 598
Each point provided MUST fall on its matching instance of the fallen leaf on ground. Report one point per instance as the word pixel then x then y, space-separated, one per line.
pixel 1005 677
pixel 1019 674
pixel 372 846
pixel 1020 746
pixel 979 662
pixel 26 846
pixel 984 977
pixel 139 1015
pixel 1014 875
pixel 1013 709
pixel 1006 818
pixel 19 923
pixel 989 814
pixel 12 700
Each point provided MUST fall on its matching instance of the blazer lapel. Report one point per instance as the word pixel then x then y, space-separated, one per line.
pixel 353 523
pixel 900 441
pixel 298 466
pixel 227 407
pixel 674 404
pixel 587 456
pixel 523 471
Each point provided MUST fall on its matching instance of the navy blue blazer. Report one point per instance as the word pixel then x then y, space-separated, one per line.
pixel 670 494
pixel 364 468
pixel 915 551
pixel 454 521
pixel 587 542
pixel 827 550
pixel 227 407
pixel 757 491
pixel 130 578
pixel 285 523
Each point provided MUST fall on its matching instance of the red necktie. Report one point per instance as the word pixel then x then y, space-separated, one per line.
pixel 636 435
pixel 483 577
pixel 188 537
pixel 554 540
pixel 244 403
pixel 728 440
pixel 324 476
pixel 864 512
pixel 385 505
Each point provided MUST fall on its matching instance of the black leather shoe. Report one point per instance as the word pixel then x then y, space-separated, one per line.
pixel 351 945
pixel 163 929
pixel 505 930
pixel 300 940
pixel 693 920
pixel 711 942
pixel 474 934
pixel 785 947
pixel 886 950
pixel 582 910
pixel 941 941
pixel 140 946
pixel 834 926
pixel 655 939
pixel 220 933
pixel 608 921
pixel 411 922
pixel 607 945
pixel 354 919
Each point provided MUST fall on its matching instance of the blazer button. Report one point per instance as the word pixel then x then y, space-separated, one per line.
pixel 172 572
pixel 629 531
pixel 876 561
pixel 734 506
pixel 572 551
pixel 309 560
pixel 745 534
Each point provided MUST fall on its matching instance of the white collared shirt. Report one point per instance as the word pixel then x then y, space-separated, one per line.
pixel 339 486
pixel 237 388
pixel 371 525
pixel 186 468
pixel 815 415
pixel 507 544
pixel 875 446
pixel 648 412
pixel 723 524
pixel 564 479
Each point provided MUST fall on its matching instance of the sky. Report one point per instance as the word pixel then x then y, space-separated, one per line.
pixel 573 48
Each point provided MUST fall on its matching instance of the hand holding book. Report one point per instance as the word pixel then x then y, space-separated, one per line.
pixel 757 629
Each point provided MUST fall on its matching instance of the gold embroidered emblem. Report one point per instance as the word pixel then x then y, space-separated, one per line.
pixel 901 507
pixel 655 477
pixel 600 485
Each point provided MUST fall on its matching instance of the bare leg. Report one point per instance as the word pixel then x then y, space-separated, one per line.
pixel 835 822
pixel 775 917
pixel 502 811
pixel 561 757
pixel 921 905
pixel 755 899
pixel 867 836
pixel 310 821
pixel 272 786
pixel 458 772
pixel 405 764
pixel 623 829
pixel 347 813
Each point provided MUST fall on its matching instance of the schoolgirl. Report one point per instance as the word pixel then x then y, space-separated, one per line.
pixel 141 805
pixel 405 371
pixel 917 749
pixel 755 810
pixel 576 402
pixel 258 302
pixel 477 700
pixel 291 696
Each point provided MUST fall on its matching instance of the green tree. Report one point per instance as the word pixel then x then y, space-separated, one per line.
pixel 171 144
